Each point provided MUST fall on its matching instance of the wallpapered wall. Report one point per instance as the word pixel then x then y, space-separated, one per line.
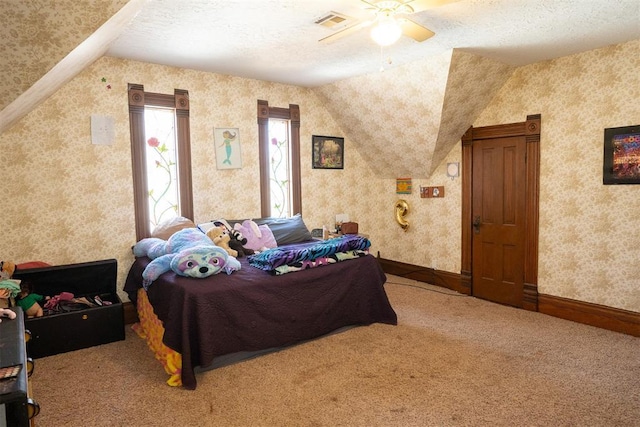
pixel 589 232
pixel 36 36
pixel 71 201
pixel 420 108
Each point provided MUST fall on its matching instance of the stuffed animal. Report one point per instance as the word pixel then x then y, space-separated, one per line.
pixel 5 312
pixel 188 252
pixel 8 287
pixel 237 241
pixel 7 268
pixel 29 301
pixel 221 238
pixel 259 238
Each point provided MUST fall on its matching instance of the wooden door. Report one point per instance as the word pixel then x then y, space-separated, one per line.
pixel 498 211
pixel 500 191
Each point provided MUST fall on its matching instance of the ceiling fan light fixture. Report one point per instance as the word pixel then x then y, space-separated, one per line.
pixel 387 31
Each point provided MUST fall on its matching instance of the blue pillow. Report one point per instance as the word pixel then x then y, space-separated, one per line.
pixel 287 230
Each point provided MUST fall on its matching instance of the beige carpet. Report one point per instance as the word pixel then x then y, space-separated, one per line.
pixel 451 361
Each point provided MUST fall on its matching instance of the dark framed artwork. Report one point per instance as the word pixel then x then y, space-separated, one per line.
pixel 327 152
pixel 621 155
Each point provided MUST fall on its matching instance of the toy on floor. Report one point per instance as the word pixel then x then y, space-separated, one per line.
pixel 188 252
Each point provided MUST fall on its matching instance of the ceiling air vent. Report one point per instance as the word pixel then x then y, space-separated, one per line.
pixel 333 20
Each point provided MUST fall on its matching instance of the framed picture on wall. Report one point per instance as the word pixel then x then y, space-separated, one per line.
pixel 227 147
pixel 327 152
pixel 621 155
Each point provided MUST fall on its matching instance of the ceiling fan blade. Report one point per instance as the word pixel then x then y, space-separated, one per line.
pixel 345 32
pixel 420 5
pixel 371 5
pixel 415 31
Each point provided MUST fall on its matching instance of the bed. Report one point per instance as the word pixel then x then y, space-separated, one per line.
pixel 191 324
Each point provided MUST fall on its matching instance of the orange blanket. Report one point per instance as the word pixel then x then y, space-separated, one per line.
pixel 151 330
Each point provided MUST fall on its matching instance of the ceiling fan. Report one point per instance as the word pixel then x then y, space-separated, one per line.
pixel 390 21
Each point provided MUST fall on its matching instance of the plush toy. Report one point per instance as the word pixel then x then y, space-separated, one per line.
pixel 237 241
pixel 259 238
pixel 9 289
pixel 29 301
pixel 5 312
pixel 221 238
pixel 7 268
pixel 188 252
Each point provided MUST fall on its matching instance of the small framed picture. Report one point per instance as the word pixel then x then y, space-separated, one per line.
pixel 227 147
pixel 621 155
pixel 327 152
pixel 403 186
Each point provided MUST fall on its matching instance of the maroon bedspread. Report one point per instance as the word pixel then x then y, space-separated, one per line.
pixel 253 310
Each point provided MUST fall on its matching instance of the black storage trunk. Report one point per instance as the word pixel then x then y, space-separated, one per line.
pixel 62 332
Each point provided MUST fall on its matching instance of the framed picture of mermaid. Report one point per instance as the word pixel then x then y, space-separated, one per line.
pixel 327 152
pixel 622 155
pixel 227 144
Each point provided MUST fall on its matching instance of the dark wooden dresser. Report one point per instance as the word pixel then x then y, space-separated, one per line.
pixel 17 408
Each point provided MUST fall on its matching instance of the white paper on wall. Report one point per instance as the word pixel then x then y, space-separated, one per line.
pixel 340 218
pixel 102 130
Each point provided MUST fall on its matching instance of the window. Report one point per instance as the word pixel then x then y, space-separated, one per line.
pixel 279 168
pixel 161 156
pixel 279 151
pixel 161 163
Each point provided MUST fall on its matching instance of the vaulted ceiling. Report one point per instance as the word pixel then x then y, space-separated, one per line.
pixel 403 120
pixel 35 37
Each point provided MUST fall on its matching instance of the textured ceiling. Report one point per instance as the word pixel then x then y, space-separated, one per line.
pixel 404 120
pixel 277 40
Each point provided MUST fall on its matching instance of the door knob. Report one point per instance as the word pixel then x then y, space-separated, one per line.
pixel 476 224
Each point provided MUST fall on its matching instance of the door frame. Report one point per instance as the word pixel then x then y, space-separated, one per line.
pixel 530 129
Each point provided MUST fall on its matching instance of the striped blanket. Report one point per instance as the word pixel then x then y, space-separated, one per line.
pixel 281 260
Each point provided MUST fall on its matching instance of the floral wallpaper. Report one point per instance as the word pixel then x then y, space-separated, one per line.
pixel 588 231
pixel 421 108
pixel 472 83
pixel 71 201
pixel 37 34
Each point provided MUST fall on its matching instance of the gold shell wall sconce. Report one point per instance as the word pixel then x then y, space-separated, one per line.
pixel 401 210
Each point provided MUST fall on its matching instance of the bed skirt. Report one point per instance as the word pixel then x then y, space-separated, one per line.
pixel 151 330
